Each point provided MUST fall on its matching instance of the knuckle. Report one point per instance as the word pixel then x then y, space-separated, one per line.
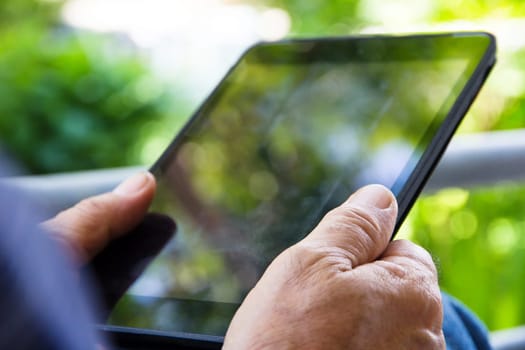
pixel 364 223
pixel 312 260
pixel 418 257
pixel 424 260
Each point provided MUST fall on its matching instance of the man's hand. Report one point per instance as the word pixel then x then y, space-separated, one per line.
pixel 90 225
pixel 345 286
pixel 113 233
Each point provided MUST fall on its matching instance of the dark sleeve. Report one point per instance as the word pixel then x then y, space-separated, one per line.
pixel 42 305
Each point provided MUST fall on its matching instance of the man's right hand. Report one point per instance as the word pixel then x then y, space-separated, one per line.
pixel 345 286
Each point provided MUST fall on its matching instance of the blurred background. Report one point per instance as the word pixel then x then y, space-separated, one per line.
pixel 96 84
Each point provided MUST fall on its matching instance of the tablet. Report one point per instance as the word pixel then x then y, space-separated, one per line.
pixel 292 130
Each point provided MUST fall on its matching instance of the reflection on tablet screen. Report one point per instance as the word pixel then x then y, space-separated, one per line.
pixel 272 150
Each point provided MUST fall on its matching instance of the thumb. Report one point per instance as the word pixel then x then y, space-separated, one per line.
pixel 90 225
pixel 361 227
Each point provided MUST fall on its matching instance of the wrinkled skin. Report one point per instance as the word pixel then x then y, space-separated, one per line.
pixel 345 286
pixel 88 227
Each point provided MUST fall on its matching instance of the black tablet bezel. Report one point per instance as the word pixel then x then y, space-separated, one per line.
pixel 134 338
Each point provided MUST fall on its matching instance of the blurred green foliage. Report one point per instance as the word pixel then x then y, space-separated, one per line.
pixel 316 17
pixel 71 100
pixel 15 12
pixel 478 241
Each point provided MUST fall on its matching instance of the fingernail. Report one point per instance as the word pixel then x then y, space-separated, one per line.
pixel 133 184
pixel 373 195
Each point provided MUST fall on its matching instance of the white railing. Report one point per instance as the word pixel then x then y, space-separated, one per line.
pixel 483 159
pixel 509 339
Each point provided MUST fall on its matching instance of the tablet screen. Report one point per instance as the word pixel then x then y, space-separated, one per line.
pixel 291 131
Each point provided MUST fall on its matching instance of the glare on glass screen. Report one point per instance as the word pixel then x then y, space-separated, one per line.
pixel 281 145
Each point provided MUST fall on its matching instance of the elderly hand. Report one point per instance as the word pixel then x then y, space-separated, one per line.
pixel 113 233
pixel 92 224
pixel 345 286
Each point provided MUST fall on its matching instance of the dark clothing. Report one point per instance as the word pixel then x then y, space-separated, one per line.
pixel 462 329
pixel 40 304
